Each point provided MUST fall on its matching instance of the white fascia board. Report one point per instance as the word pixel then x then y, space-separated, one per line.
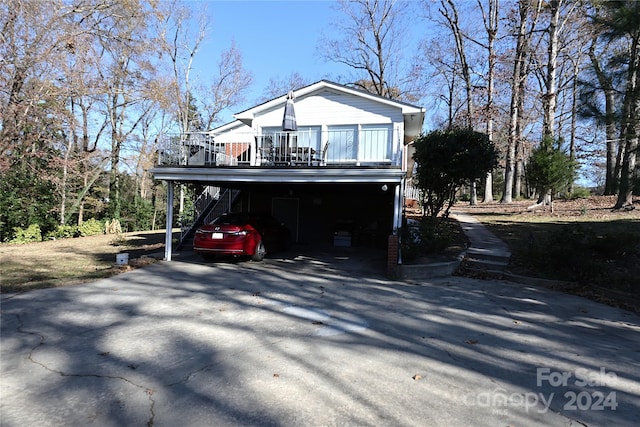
pixel 226 127
pixel 279 175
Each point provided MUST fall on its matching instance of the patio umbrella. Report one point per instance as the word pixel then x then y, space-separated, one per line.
pixel 289 119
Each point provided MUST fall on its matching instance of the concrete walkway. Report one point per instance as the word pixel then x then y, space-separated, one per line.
pixel 486 251
pixel 307 341
pixel 479 236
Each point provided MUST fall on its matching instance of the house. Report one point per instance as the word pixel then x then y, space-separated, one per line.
pixel 337 178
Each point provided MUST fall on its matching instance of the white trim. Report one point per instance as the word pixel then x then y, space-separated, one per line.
pixel 280 175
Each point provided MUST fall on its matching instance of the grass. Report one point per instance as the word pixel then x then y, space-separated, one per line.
pixel 71 261
pixel 583 242
pixel 602 253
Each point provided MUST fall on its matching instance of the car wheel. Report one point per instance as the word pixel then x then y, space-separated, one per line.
pixel 260 252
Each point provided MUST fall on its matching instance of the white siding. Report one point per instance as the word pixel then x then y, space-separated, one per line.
pixel 242 133
pixel 326 116
pixel 333 109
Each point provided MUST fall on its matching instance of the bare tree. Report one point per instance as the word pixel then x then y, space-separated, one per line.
pixel 490 20
pixel 126 50
pixel 180 42
pixel 371 43
pixel 558 18
pixel 605 85
pixel 228 86
pixel 47 48
pixel 33 36
pixel 280 86
pixel 437 73
pixel 527 21
pixel 622 23
pixel 450 13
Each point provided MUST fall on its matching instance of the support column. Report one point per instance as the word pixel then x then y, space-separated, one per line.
pixel 397 209
pixel 168 238
pixel 393 241
pixel 392 256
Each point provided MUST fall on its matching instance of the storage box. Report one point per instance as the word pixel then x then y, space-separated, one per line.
pixel 342 240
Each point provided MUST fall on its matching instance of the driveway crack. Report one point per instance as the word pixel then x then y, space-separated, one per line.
pixel 148 391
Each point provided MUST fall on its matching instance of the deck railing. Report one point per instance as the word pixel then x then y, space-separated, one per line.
pixel 348 147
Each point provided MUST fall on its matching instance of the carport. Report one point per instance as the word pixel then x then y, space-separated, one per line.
pixel 321 206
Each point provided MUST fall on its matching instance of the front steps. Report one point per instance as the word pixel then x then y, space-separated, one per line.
pixel 485 263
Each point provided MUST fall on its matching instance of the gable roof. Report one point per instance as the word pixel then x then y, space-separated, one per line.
pixel 413 115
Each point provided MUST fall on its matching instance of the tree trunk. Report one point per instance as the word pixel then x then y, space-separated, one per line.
pixel 522 153
pixel 452 19
pixel 611 133
pixel 574 116
pixel 517 185
pixel 549 100
pixel 488 188
pixel 491 26
pixel 631 117
pixel 114 173
pixel 517 83
pixel 612 142
pixel 473 199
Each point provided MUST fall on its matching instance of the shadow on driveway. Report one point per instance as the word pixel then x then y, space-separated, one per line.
pixel 313 340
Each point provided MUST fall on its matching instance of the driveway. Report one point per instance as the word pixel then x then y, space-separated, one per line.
pixel 313 341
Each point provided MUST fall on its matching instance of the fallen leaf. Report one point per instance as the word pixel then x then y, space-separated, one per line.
pixel 471 341
pixel 276 375
pixel 417 377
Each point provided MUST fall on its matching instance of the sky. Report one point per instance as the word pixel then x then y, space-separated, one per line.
pixel 275 38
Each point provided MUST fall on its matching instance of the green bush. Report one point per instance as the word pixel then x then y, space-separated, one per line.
pixel 550 169
pixel 62 232
pixel 448 159
pixel 28 235
pixel 433 235
pixel 579 193
pixel 91 227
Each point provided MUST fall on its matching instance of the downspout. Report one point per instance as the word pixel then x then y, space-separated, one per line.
pixel 168 238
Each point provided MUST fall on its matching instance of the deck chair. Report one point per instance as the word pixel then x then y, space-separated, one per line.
pixel 265 151
pixel 322 160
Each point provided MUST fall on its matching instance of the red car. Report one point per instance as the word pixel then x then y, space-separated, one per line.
pixel 242 234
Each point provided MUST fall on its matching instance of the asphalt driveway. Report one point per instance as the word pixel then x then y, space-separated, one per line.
pixel 313 341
